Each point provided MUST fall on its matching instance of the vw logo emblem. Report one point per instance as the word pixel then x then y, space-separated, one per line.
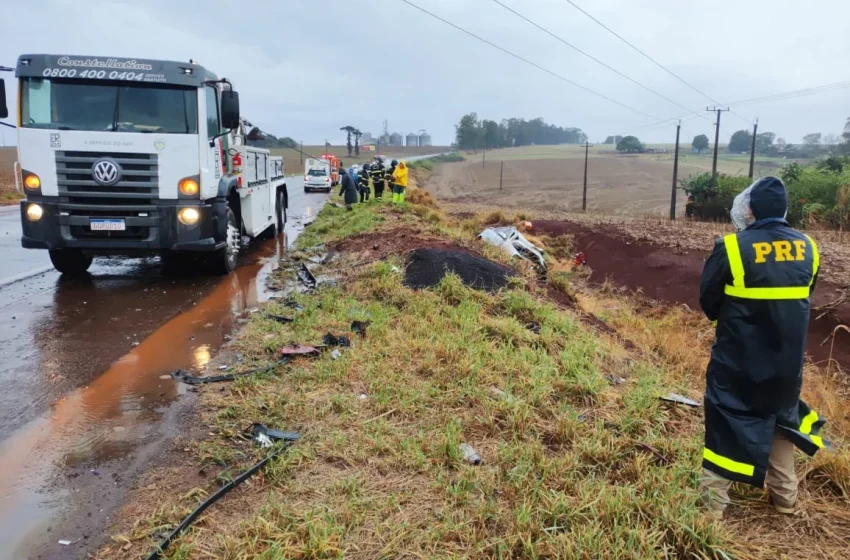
pixel 106 172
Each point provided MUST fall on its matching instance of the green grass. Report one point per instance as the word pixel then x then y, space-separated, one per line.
pixel 572 467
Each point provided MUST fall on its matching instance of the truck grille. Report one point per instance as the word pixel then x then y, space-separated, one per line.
pixel 139 184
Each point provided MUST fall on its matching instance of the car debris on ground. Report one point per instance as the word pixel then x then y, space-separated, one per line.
pixel 307 277
pixel 186 377
pixel 510 240
pixel 299 350
pixel 360 327
pixel 331 340
pixel 680 399
pixel 470 455
pixel 261 435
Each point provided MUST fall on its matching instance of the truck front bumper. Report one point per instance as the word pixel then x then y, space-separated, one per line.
pixel 149 229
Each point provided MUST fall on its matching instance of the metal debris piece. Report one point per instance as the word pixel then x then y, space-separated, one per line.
pixel 331 340
pixel 299 350
pixel 293 304
pixel 615 379
pixel 186 377
pixel 279 318
pixel 336 354
pixel 470 455
pixel 510 240
pixel 360 327
pixel 65 542
pixel 267 436
pixel 306 276
pixel 534 327
pixel 679 399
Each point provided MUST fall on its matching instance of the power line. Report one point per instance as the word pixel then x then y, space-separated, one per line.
pixel 525 60
pixel 591 57
pixel 621 38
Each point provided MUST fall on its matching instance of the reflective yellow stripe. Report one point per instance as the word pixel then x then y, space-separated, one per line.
pixel 768 293
pixel 808 422
pixel 736 264
pixel 815 259
pixel 728 464
pixel 738 287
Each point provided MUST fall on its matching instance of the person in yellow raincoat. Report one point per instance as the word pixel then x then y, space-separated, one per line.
pixel 399 181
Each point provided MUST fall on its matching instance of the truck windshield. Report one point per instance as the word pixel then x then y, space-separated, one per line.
pixel 317 173
pixel 108 106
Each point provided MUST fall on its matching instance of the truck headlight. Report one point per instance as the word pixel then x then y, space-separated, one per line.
pixel 34 212
pixel 188 216
pixel 32 182
pixel 189 187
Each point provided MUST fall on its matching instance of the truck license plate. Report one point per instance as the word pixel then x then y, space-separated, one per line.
pixel 107 225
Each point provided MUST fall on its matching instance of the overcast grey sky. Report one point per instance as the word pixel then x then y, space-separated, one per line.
pixel 305 68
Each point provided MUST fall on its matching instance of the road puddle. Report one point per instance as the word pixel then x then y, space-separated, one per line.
pixel 98 435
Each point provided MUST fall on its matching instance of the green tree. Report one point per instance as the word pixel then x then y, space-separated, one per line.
pixel 357 135
pixel 700 143
pixel 765 140
pixel 812 139
pixel 740 142
pixel 630 144
pixel 349 131
pixel 467 132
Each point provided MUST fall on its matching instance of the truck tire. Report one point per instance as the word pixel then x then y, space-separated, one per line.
pixel 71 262
pixel 223 261
pixel 280 211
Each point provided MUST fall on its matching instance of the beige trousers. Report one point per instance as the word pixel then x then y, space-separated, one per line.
pixel 781 478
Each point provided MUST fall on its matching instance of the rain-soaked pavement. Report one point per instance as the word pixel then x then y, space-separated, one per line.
pixel 83 407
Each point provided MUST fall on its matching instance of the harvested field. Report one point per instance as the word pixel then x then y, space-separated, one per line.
pixel 672 276
pixel 550 178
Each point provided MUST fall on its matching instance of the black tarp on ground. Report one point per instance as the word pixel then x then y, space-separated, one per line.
pixel 426 267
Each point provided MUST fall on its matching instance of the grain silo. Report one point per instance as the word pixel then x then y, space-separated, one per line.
pixel 396 139
pixel 412 140
pixel 424 139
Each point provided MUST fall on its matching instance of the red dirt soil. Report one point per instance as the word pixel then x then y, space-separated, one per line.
pixel 663 274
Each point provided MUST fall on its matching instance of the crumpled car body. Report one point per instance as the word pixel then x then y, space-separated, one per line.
pixel 510 240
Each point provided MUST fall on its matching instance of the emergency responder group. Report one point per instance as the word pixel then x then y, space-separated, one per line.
pixel 381 177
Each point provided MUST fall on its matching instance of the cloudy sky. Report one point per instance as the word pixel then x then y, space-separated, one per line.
pixel 304 68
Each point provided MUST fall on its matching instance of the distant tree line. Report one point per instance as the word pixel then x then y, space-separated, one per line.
pixel 269 141
pixel 472 133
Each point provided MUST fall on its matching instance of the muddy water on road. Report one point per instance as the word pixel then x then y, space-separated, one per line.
pixel 86 402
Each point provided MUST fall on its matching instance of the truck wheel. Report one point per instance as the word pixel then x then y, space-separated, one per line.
pixel 72 262
pixel 223 261
pixel 280 209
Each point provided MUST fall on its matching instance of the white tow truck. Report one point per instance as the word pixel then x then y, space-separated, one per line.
pixel 131 157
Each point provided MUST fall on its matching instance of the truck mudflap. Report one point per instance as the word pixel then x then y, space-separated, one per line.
pixel 148 229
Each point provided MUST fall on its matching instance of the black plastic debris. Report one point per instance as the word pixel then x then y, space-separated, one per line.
pixel 360 327
pixel 288 440
pixel 266 437
pixel 291 303
pixel 534 327
pixel 331 340
pixel 299 350
pixel 186 377
pixel 306 276
pixel 615 379
pixel 279 318
pixel 679 399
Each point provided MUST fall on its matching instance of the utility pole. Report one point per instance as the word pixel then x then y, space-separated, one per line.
pixel 716 143
pixel 753 149
pixel 484 157
pixel 501 173
pixel 675 173
pixel 584 192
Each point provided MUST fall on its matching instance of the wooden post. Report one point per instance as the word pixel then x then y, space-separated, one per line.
pixel 501 173
pixel 675 173
pixel 584 192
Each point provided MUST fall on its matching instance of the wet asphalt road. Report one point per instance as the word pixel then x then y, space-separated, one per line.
pixel 83 407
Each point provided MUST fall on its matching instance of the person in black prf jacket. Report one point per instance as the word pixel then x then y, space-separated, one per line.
pixel 756 285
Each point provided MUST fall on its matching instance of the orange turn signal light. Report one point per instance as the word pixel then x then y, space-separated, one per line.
pixel 189 187
pixel 32 182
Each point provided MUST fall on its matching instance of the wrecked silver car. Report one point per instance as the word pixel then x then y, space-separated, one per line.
pixel 510 240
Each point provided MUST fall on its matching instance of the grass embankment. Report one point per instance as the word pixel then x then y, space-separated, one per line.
pixel 574 466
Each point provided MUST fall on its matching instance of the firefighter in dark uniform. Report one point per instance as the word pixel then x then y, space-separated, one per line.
pixel 756 286
pixel 379 178
pixel 363 183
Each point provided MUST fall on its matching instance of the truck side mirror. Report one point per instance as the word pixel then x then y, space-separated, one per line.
pixel 4 110
pixel 230 109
